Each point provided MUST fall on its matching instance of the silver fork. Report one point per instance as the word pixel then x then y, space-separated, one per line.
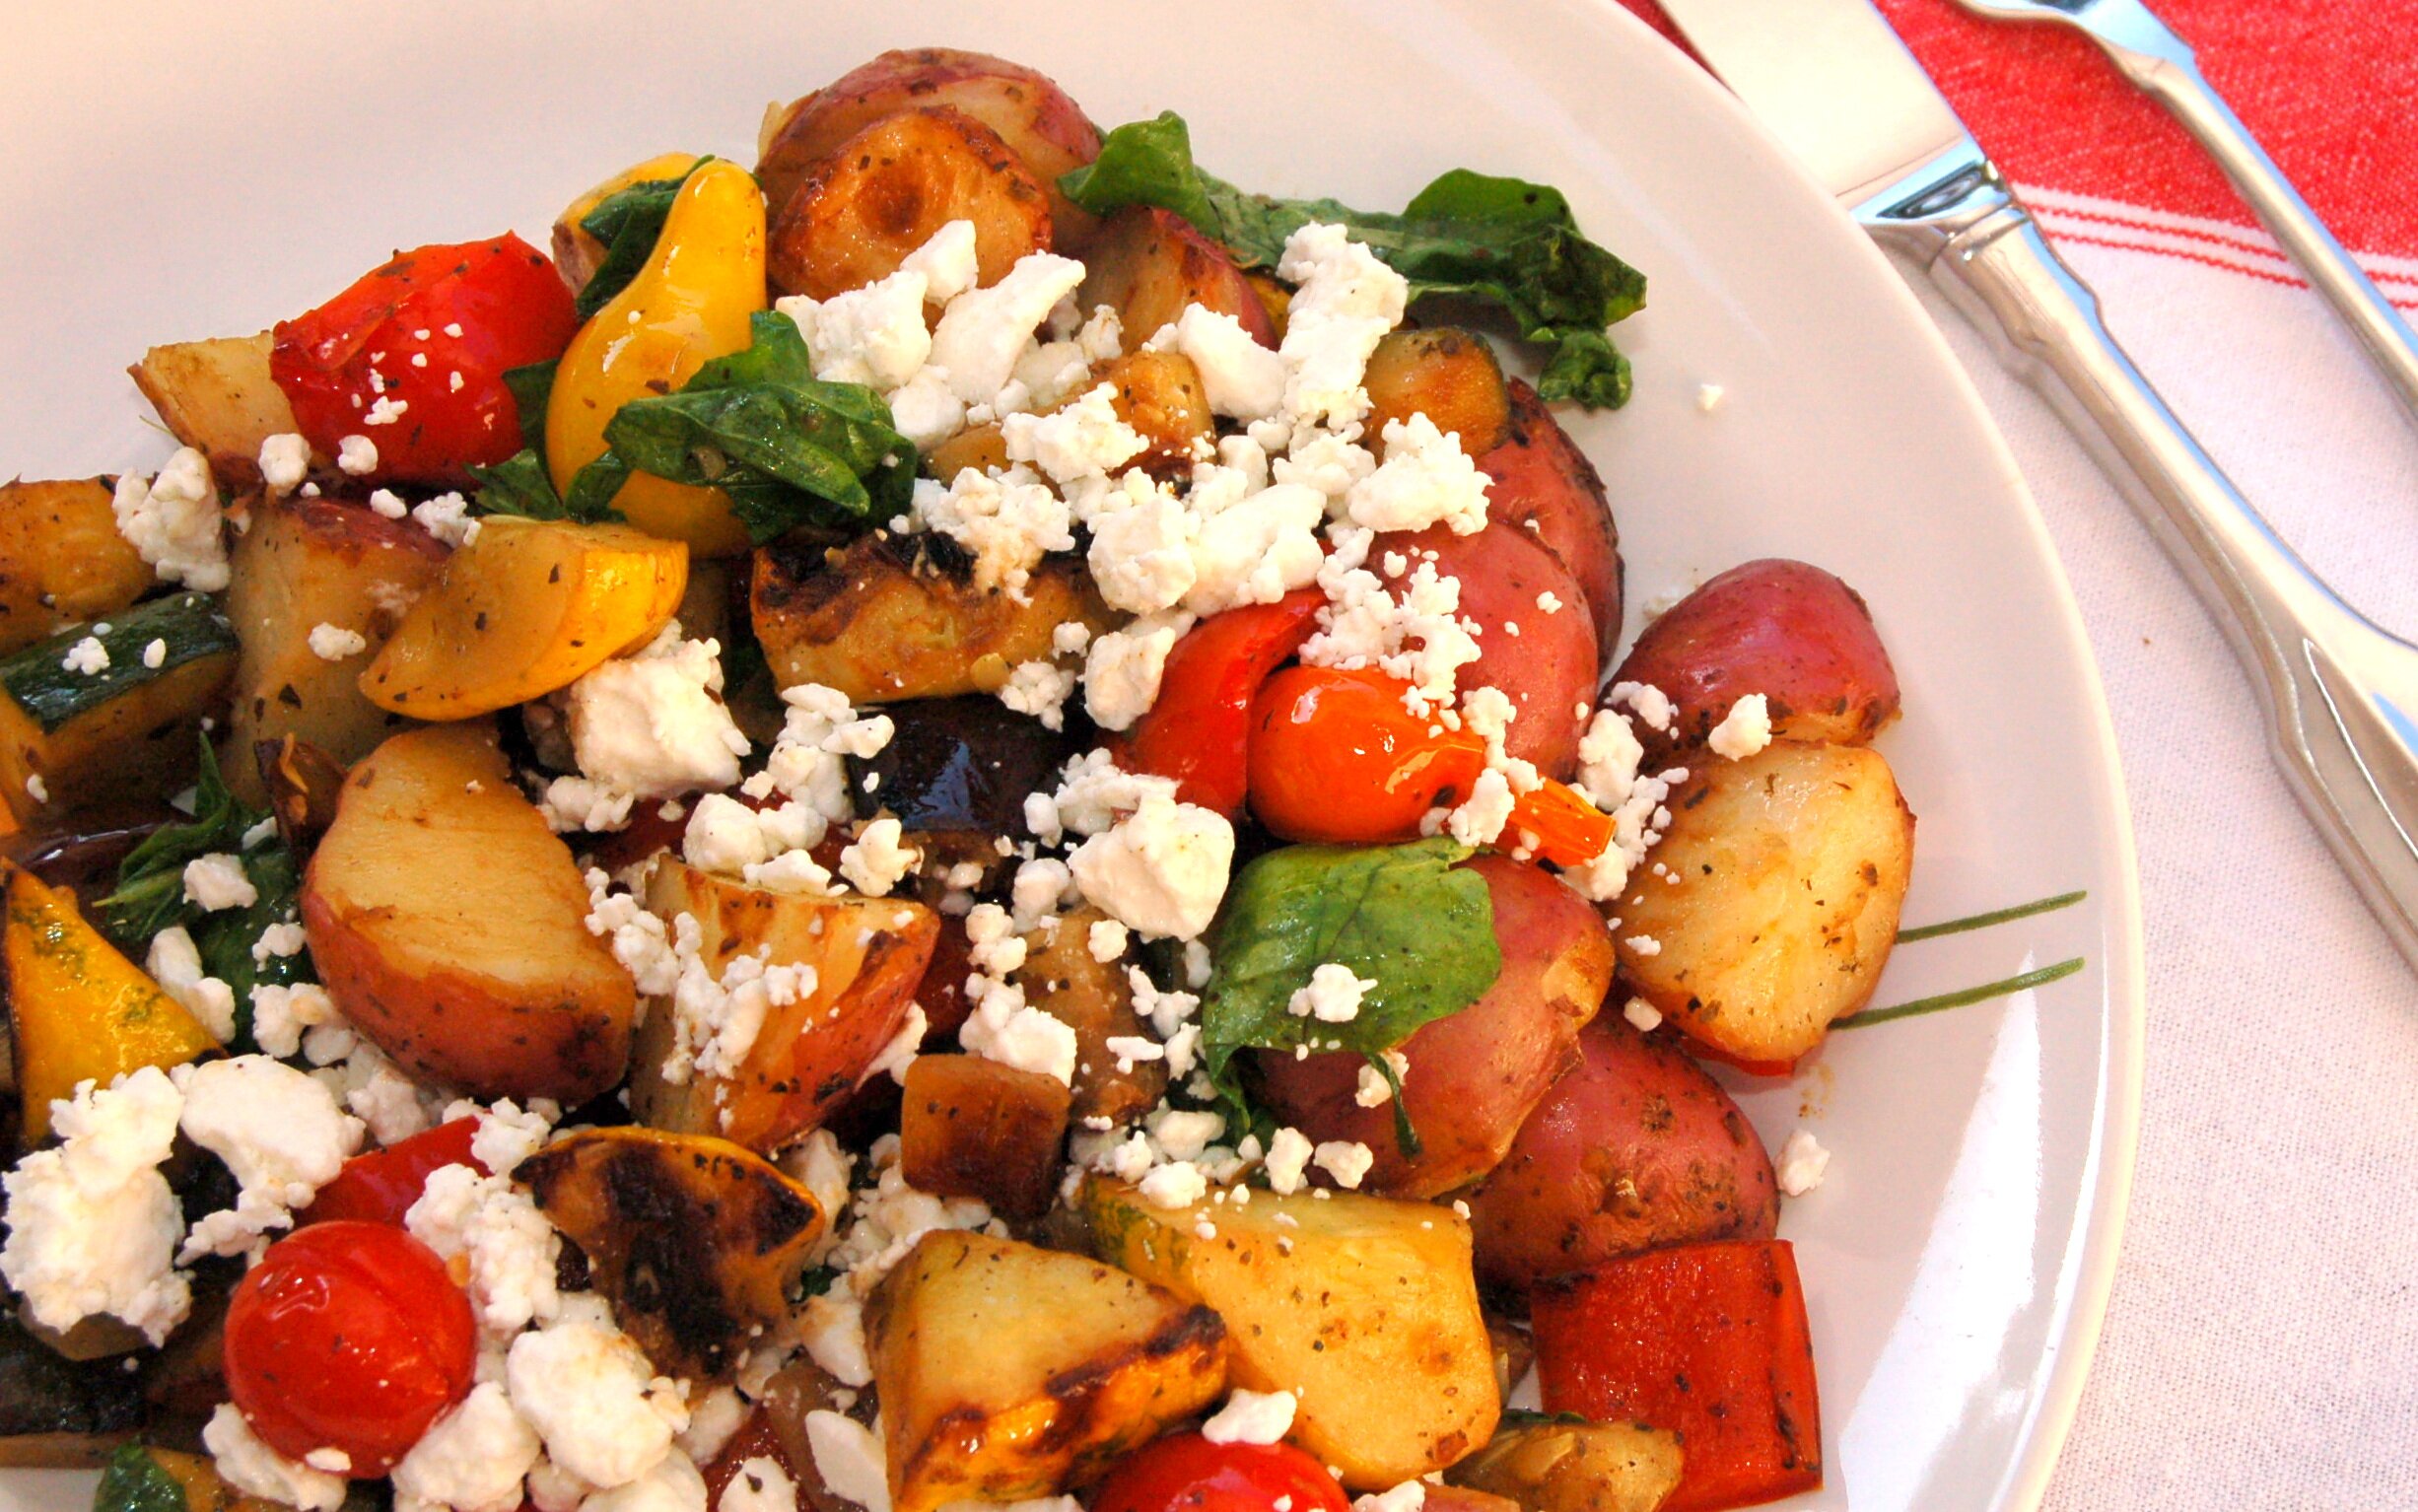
pixel 2160 63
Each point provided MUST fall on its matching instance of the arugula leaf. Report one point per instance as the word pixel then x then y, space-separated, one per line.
pixel 532 389
pixel 1495 241
pixel 1396 915
pixel 788 448
pixel 134 1481
pixel 150 893
pixel 626 221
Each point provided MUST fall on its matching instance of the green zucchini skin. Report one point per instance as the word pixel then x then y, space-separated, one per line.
pixel 191 625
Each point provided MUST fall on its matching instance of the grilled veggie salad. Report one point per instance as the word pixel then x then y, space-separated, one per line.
pixel 954 821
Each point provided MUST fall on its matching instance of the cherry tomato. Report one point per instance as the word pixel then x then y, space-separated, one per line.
pixel 1186 1472
pixel 348 1335
pixel 1336 758
pixel 413 354
pixel 1200 729
pixel 381 1185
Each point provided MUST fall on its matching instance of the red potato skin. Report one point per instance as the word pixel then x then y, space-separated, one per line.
pixel 1634 1148
pixel 1149 263
pixel 1474 1076
pixel 1544 484
pixel 1788 630
pixel 1548 667
pixel 1036 119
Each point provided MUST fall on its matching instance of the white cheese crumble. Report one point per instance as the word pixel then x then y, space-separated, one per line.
pixel 447 517
pixel 651 724
pixel 334 642
pixel 873 335
pixel 1375 1090
pixel 1347 1160
pixel 1086 437
pixel 174 522
pixel 356 455
pixel 1008 524
pixel 1142 546
pixel 876 859
pixel 1425 480
pixel 1107 939
pixel 388 503
pixel 1252 1418
pixel 1239 377
pixel 506 1241
pixel 217 881
pixel 1124 670
pixel 92 1224
pixel 759 1485
pixel 284 460
pixel 589 1391
pixel 87 656
pixel 1344 302
pixel 983 330
pixel 174 962
pixel 1332 996
pixel 1287 1159
pixel 278 1130
pixel 282 1014
pixel 248 1465
pixel 849 1459
pixel 1802 1163
pixel 946 260
pixel 1161 871
pixel 472 1459
pixel 1039 689
pixel 1743 730
pixel 1643 1015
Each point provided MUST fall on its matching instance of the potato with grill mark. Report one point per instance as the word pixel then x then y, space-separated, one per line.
pixel 696 1242
pixel 217 396
pixel 855 215
pixel 1450 375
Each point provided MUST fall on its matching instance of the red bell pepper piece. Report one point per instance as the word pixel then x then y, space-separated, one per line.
pixel 381 1185
pixel 1198 732
pixel 1709 1340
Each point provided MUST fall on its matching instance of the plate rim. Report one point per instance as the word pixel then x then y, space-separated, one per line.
pixel 2092 1254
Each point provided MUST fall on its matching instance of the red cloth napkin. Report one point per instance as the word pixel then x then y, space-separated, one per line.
pixel 2327 88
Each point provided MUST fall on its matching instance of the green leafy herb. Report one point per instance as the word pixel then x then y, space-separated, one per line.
pixel 625 223
pixel 520 484
pixel 1499 241
pixel 134 1481
pixel 150 892
pixel 532 388
pixel 1399 916
pixel 788 448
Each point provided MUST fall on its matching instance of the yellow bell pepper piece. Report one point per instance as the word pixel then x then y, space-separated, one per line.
pixel 77 1009
pixel 527 607
pixel 689 303
pixel 577 252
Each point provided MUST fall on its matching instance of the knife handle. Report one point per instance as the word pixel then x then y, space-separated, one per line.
pixel 2342 694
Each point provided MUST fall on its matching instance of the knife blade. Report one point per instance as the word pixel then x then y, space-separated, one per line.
pixel 1834 84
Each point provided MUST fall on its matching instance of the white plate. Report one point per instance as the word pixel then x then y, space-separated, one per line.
pixel 178 172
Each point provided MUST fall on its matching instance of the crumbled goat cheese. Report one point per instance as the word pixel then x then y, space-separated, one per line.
pixel 251 1465
pixel 472 1459
pixel 1413 631
pixel 278 1130
pixel 650 726
pixel 506 1134
pixel 875 861
pixel 1643 1015
pixel 174 962
pixel 924 410
pixel 1607 757
pixel 1183 1133
pixel 1709 396
pixel 174 522
pixel 1332 997
pixel 1345 1160
pixel 1123 672
pixel 217 881
pixel 1005 1028
pixel 1252 1418
pixel 88 656
pixel 1251 547
pixel 334 642
pixel 759 1485
pixel 277 942
pixel 388 503
pixel 1039 689
pixel 1239 377
pixel 946 260
pixel 1425 480
pixel 356 455
pixel 1332 465
pixel 1141 547
pixel 850 1460
pixel 591 1393
pixel 1008 524
pixel 571 803
pixel 1178 1184
pixel 1649 703
pixel 1743 730
pixel 92 1224
pixel 1802 1163
pixel 675 1485
pixel 1375 1089
pixel 1288 1157
pixel 284 460
pixel 1161 871
pixel 447 517
pixel 1107 939
pixel 873 335
pixel 282 1014
pixel 1345 301
pixel 1086 437
pixel 155 655
pixel 1482 816
pixel 1408 1496
pixel 503 1239
pixel 983 329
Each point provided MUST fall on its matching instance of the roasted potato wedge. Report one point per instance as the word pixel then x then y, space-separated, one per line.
pixel 1046 130
pixel 1093 998
pixel 856 215
pixel 217 396
pixel 1474 1076
pixel 1634 1148
pixel 1450 375
pixel 1160 394
pixel 968 1127
pixel 892 617
pixel 696 1242
pixel 77 1009
pixel 979 447
pixel 1545 485
pixel 1777 902
pixel 307 562
pixel 1363 1305
pixel 1149 263
pixel 1565 1467
pixel 1787 630
pixel 1008 1372
pixel 62 561
pixel 809 1053
pixel 449 925
pixel 527 607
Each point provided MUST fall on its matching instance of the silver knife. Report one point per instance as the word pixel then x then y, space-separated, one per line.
pixel 1834 84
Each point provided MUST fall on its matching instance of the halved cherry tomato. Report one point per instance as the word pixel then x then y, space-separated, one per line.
pixel 348 1335
pixel 1186 1472
pixel 1200 729
pixel 1336 758
pixel 413 356
pixel 381 1185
